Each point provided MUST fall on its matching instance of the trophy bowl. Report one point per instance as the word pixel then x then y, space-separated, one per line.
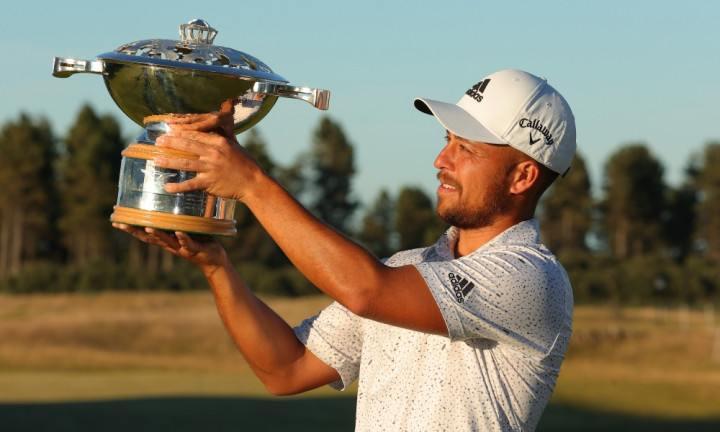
pixel 155 77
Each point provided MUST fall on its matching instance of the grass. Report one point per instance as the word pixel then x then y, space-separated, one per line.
pixel 162 361
pixel 124 331
pixel 650 362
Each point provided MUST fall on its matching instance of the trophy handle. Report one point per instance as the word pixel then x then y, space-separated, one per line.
pixel 64 67
pixel 316 97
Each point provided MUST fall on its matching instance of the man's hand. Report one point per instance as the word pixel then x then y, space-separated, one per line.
pixel 203 251
pixel 224 168
pixel 221 123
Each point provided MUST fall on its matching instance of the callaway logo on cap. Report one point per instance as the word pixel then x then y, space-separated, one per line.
pixel 514 108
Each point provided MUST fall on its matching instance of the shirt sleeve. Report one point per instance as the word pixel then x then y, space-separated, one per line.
pixel 335 336
pixel 521 298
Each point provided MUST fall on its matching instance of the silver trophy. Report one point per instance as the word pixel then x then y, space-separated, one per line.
pixel 151 78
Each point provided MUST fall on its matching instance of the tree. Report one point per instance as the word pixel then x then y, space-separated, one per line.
pixel 708 206
pixel 89 173
pixel 679 220
pixel 253 243
pixel 27 200
pixel 416 222
pixel 264 266
pixel 377 231
pixel 332 165
pixel 566 210
pixel 634 201
pixel 256 146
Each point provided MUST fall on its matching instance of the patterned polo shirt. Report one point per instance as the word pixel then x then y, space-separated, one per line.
pixel 508 309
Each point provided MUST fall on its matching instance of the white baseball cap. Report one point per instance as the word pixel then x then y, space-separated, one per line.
pixel 515 108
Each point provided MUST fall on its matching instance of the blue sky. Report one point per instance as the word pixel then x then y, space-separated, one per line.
pixel 631 70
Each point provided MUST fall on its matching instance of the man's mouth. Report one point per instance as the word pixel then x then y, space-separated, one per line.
pixel 446 182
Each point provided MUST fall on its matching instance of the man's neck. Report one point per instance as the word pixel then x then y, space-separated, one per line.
pixel 469 240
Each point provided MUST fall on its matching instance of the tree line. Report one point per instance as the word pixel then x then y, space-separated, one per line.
pixel 641 241
pixel 59 192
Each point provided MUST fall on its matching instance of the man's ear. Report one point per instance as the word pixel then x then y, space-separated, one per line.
pixel 524 176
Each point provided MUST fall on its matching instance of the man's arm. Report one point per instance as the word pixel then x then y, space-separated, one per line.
pixel 339 267
pixel 266 341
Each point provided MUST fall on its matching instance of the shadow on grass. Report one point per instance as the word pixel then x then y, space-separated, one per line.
pixel 211 414
pixel 244 414
pixel 559 418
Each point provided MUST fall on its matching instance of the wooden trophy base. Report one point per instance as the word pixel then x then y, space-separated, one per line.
pixel 173 222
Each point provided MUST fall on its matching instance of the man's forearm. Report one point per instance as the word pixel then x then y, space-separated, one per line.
pixel 336 265
pixel 266 341
pixel 340 267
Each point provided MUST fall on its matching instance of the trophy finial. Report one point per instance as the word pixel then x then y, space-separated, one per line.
pixel 197 31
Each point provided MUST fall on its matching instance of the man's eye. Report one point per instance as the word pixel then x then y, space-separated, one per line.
pixel 446 138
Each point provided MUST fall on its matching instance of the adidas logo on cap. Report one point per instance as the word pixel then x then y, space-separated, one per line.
pixel 476 91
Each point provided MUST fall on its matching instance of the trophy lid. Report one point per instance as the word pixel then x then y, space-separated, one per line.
pixel 194 51
pixel 189 76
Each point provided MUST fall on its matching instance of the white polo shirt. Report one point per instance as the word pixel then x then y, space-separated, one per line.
pixel 508 309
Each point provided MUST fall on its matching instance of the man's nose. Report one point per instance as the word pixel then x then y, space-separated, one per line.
pixel 444 158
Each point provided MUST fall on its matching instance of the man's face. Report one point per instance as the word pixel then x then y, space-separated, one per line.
pixel 474 187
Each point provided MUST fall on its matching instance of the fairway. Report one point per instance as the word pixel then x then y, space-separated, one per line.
pixel 162 361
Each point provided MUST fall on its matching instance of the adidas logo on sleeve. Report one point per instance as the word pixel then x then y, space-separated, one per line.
pixel 461 286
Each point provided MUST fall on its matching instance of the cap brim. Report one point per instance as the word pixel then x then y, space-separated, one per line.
pixel 458 121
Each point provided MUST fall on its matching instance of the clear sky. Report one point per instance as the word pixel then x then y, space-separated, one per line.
pixel 631 70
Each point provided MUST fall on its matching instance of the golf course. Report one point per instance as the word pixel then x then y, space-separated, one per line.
pixel 163 361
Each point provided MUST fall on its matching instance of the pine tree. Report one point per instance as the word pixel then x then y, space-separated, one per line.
pixel 634 201
pixel 377 231
pixel 88 184
pixel 416 222
pixel 708 207
pixel 679 219
pixel 566 210
pixel 27 198
pixel 332 163
pixel 252 242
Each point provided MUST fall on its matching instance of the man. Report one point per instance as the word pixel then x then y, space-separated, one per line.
pixel 468 334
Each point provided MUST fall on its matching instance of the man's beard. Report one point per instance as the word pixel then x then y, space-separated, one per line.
pixel 496 202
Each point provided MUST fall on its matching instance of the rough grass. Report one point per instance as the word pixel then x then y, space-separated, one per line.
pixel 650 363
pixel 125 331
pixel 643 361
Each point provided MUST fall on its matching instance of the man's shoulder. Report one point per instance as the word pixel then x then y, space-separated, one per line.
pixel 440 251
pixel 518 253
pixel 522 238
pixel 407 257
pixel 526 233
